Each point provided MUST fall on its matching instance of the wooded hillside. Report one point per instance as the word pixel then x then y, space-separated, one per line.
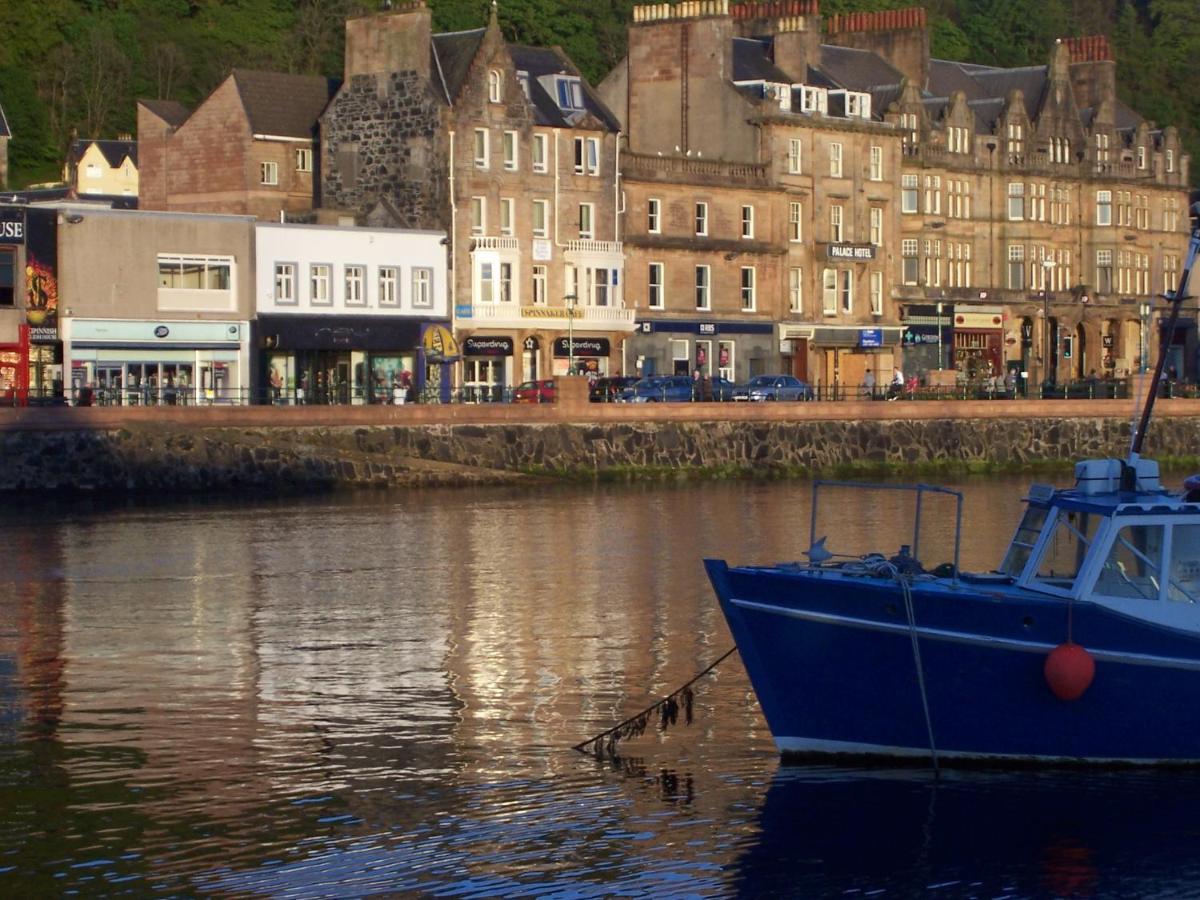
pixel 77 66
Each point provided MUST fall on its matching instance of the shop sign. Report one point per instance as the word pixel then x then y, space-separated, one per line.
pixel 41 276
pixel 707 327
pixel 438 342
pixel 543 250
pixel 464 311
pixel 12 225
pixel 43 334
pixel 550 312
pixel 162 331
pixel 531 343
pixel 584 346
pixel 852 252
pixel 488 346
pixel 915 335
pixel 1107 340
pixel 870 337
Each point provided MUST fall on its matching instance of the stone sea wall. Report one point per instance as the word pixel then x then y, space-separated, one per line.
pixel 176 457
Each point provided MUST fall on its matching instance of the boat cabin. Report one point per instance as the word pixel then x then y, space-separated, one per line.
pixel 1117 538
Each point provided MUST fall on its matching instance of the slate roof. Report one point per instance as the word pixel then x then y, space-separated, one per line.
pixel 114 151
pixel 856 70
pixel 751 62
pixel 4 130
pixel 172 112
pixel 283 105
pixel 453 52
pixel 540 61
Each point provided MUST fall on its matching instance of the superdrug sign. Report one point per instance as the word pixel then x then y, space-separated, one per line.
pixel 12 225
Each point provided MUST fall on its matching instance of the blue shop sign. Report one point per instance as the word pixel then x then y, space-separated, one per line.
pixel 463 311
pixel 870 337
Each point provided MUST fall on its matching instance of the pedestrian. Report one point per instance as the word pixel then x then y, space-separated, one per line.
pixel 868 387
pixel 399 394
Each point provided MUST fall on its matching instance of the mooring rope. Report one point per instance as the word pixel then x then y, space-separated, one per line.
pixel 668 709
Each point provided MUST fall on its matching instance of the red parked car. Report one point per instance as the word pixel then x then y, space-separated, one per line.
pixel 534 392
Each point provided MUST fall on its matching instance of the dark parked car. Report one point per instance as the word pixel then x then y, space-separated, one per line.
pixel 774 387
pixel 660 389
pixel 534 392
pixel 608 388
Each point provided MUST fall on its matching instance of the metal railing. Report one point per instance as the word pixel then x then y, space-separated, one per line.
pixel 345 395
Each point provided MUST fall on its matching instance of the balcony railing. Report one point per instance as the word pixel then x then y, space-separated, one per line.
pixel 515 315
pixel 483 242
pixel 606 248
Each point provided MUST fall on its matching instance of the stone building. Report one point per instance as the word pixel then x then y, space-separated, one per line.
pixel 822 196
pixel 509 151
pixel 248 149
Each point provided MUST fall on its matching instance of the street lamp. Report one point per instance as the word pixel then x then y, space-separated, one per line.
pixel 571 299
pixel 1144 309
pixel 939 327
pixel 1050 366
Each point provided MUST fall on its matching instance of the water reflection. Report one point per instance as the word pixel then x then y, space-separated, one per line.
pixel 339 695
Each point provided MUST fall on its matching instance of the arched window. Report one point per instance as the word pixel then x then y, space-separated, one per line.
pixel 495 79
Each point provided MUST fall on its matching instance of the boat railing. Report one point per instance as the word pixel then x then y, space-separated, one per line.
pixel 919 489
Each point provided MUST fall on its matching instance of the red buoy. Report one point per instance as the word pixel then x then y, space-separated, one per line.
pixel 1069 671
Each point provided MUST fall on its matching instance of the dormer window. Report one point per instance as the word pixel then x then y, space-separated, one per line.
pixel 813 100
pixel 523 78
pixel 858 106
pixel 781 94
pixel 495 82
pixel 570 93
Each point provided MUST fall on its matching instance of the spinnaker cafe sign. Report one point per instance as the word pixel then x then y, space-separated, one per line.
pixel 12 225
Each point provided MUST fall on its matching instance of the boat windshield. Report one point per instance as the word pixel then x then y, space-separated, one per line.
pixel 1065 550
pixel 1134 566
pixel 1023 540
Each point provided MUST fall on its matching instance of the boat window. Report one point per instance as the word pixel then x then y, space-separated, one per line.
pixel 1133 566
pixel 1063 554
pixel 1184 583
pixel 1023 540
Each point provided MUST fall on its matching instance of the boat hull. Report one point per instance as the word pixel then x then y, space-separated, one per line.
pixel 833 664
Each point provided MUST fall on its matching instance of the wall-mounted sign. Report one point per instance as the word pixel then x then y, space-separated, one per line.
pixel 584 346
pixel 1108 340
pixel 12 225
pixel 531 343
pixel 161 331
pixel 487 346
pixel 870 337
pixel 543 250
pixel 707 327
pixel 438 342
pixel 852 252
pixel 463 311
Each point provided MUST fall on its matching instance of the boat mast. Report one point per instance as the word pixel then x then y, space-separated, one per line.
pixel 1176 297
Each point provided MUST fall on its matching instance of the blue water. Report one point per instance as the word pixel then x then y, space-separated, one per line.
pixel 378 694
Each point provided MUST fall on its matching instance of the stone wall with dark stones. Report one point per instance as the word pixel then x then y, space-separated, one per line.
pixel 163 457
pixel 382 152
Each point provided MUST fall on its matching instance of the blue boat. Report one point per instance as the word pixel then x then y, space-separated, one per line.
pixel 1083 646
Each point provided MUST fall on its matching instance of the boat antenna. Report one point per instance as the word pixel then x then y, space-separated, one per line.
pixel 1176 299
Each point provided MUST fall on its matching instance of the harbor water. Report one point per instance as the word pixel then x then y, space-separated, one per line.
pixel 378 694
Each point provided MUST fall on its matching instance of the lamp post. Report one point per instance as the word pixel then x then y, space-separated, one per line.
pixel 571 298
pixel 1144 309
pixel 939 328
pixel 1051 366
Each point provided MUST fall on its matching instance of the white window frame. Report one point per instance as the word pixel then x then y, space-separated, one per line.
pixel 829 293
pixel 320 284
pixel 268 173
pixel 875 236
pixel 846 290
pixel 655 285
pixel 875 172
pixel 587 221
pixel 495 85
pixel 795 221
pixel 481 149
pixel 541 211
pixel 389 286
pixel 507 216
pixel 592 158
pixel 654 215
pixel 910 262
pixel 877 293
pixel 354 285
pixel 910 191
pixel 703 283
pixel 1016 201
pixel 478 215
pixel 422 287
pixel 539 152
pixel 795 156
pixel 796 289
pixel 701 219
pixel 835 160
pixel 285 284
pixel 1104 211
pixel 511 151
pixel 837 224
pixel 749 278
pixel 304 159
pixel 747 222
pixel 539 282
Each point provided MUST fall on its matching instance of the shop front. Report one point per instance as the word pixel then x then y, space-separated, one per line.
pixel 487 368
pixel 117 362
pixel 849 352
pixel 582 355
pixel 338 359
pixel 978 343
pixel 732 350
pixel 927 338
